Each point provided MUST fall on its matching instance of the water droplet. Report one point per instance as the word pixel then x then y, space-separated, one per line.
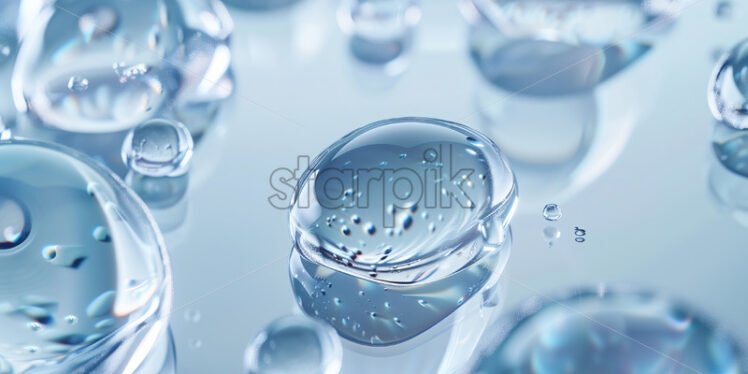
pixel 423 302
pixel 566 336
pixel 551 212
pixel 512 50
pixel 74 272
pixel 396 193
pixel 158 148
pixel 728 88
pixel 77 84
pixel 380 31
pixel 68 85
pixel 294 344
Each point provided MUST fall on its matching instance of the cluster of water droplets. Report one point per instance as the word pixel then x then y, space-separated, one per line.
pixel 81 260
pixel 602 331
pixel 410 212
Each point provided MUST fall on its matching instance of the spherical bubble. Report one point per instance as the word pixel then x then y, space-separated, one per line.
pixel 88 265
pixel 603 331
pixel 450 171
pixel 295 344
pixel 728 88
pixel 551 212
pixel 158 147
pixel 116 48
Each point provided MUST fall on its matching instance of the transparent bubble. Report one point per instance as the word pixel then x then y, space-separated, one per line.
pixel 602 331
pixel 101 277
pixel 551 212
pixel 119 48
pixel 541 47
pixel 158 147
pixel 381 30
pixel 728 88
pixel 452 172
pixel 294 344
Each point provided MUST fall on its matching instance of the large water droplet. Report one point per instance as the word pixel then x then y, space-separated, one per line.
pixel 540 47
pixel 295 344
pixel 157 148
pixel 445 181
pixel 108 33
pixel 599 331
pixel 81 254
pixel 728 89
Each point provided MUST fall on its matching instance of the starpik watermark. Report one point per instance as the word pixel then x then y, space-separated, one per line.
pixel 431 181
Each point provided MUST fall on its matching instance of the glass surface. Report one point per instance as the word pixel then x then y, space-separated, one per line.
pixel 630 160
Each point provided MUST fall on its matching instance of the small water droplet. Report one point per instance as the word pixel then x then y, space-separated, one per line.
pixel 71 319
pixel 551 212
pixel 158 148
pixel 345 230
pixel 34 326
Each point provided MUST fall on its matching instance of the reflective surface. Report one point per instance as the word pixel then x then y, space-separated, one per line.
pixel 637 170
